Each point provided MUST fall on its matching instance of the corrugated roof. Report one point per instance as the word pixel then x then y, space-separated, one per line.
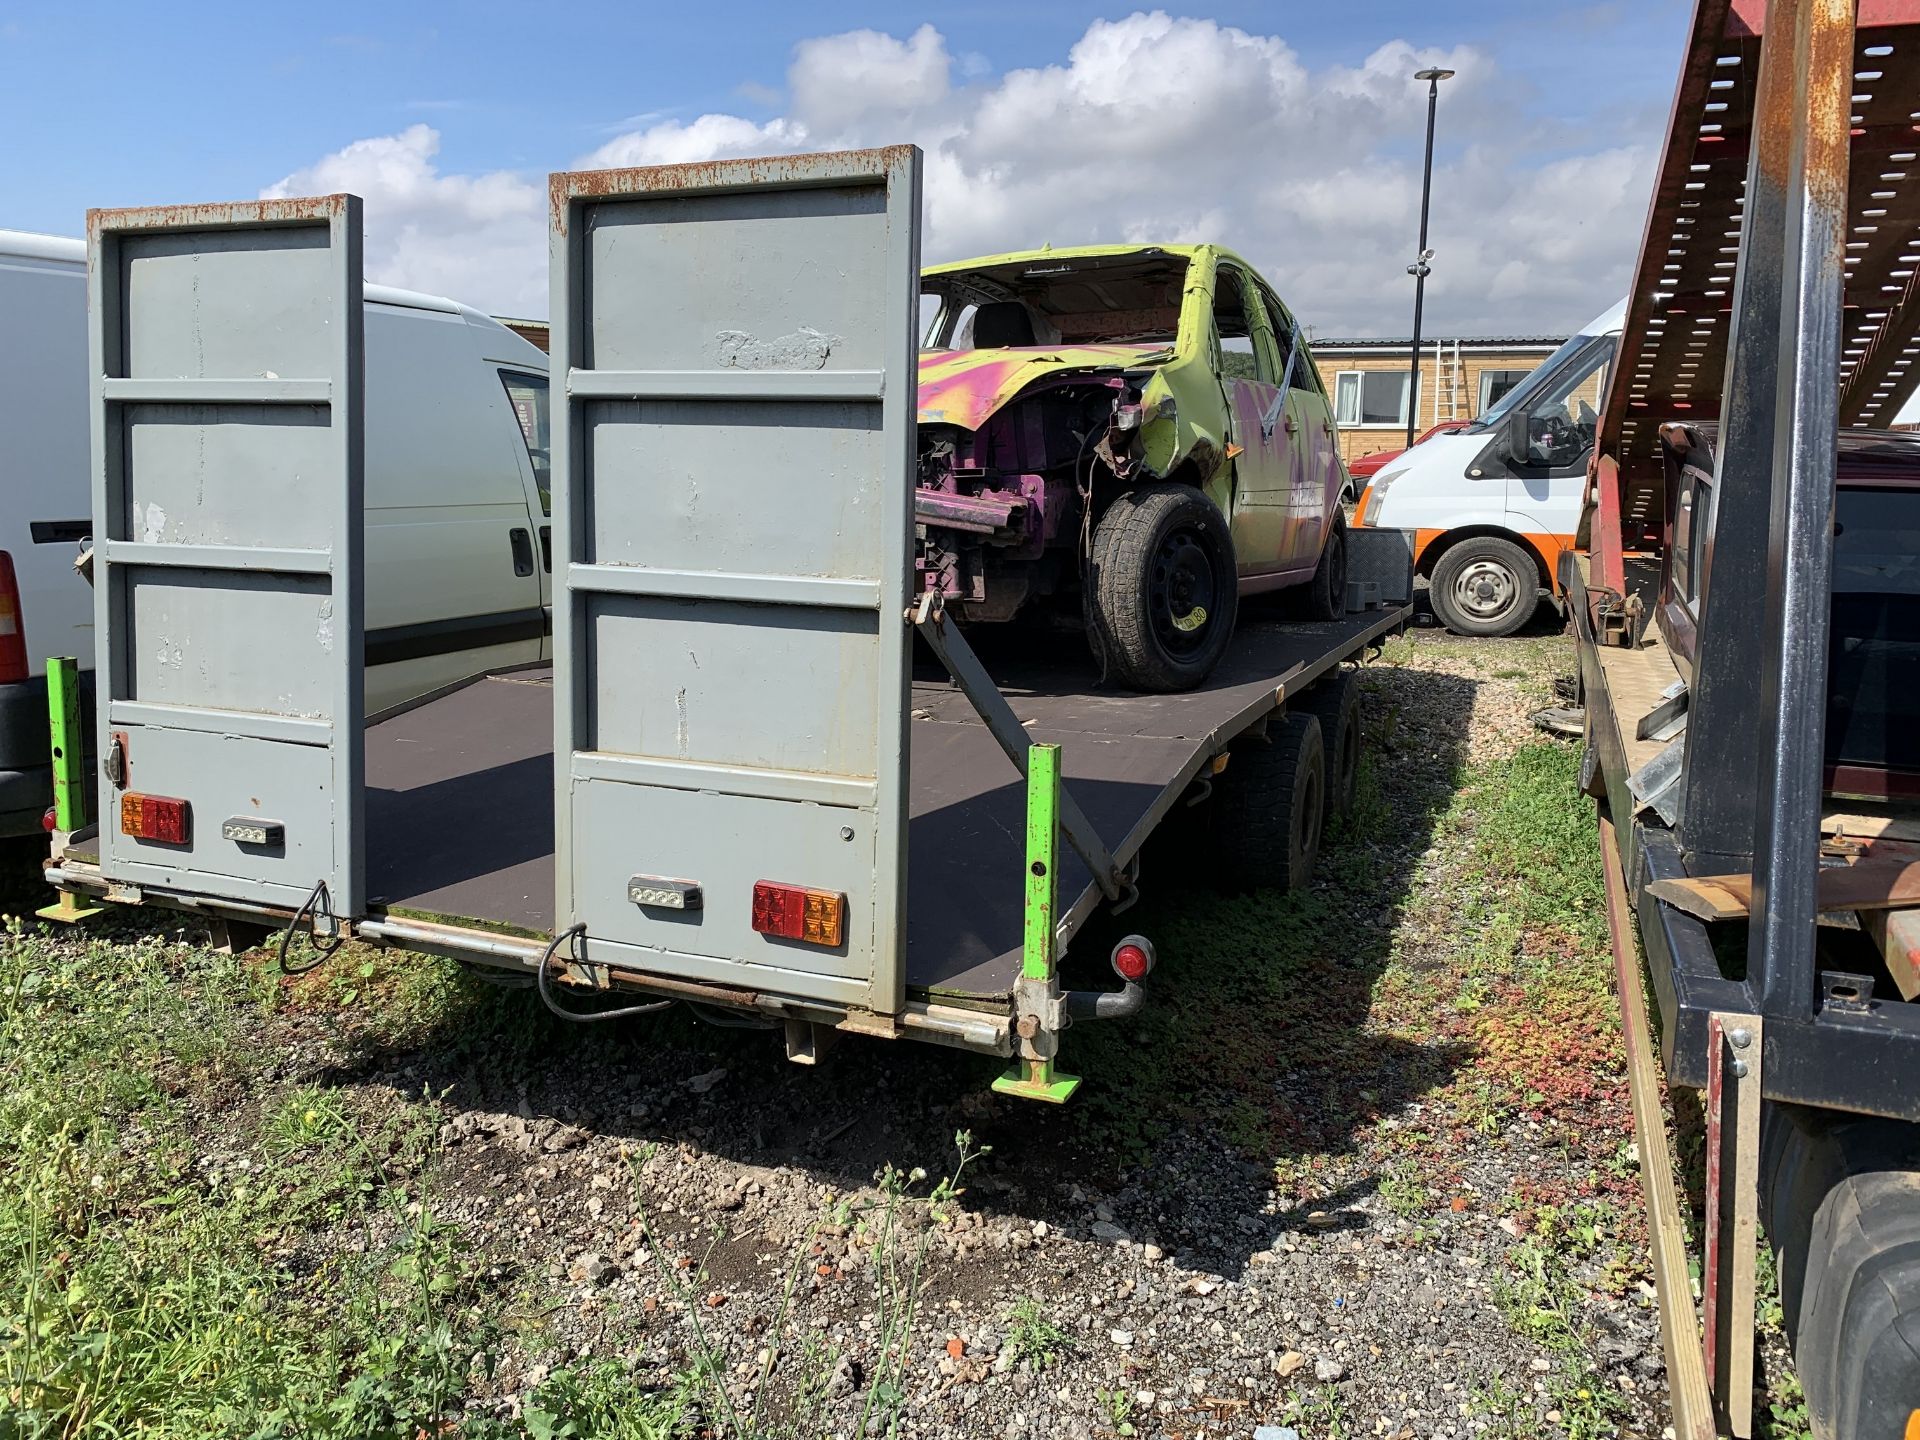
pixel 1427 342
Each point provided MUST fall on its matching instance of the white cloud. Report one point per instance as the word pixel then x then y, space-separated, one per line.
pixel 477 238
pixel 1150 127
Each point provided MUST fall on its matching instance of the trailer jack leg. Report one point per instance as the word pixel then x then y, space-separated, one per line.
pixel 69 777
pixel 1039 1012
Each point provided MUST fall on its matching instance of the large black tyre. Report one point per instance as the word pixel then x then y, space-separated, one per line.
pixel 1162 592
pixel 1485 586
pixel 1840 1197
pixel 1270 807
pixel 1327 592
pixel 1335 702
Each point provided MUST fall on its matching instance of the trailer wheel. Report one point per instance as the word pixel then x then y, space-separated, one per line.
pixel 1485 586
pixel 1271 807
pixel 1840 1196
pixel 1327 592
pixel 1335 702
pixel 1163 591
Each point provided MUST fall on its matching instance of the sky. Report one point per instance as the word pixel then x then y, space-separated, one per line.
pixel 1290 132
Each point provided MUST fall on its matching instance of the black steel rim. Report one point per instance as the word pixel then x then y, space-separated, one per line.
pixel 1182 593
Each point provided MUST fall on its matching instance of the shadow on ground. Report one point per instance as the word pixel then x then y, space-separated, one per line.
pixel 1252 1053
pixel 1253 1050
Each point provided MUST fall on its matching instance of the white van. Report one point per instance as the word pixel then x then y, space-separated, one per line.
pixel 458 538
pixel 1493 505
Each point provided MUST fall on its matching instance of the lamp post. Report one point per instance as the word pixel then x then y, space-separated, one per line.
pixel 1419 268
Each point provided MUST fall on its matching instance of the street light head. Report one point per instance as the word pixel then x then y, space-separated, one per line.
pixel 1435 74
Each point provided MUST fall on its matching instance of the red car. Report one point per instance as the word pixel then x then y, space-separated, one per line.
pixel 1367 466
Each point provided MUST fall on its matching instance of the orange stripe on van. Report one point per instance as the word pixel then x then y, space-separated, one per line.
pixel 1548 547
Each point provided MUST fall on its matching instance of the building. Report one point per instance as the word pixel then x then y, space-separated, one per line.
pixel 1459 378
pixel 534 332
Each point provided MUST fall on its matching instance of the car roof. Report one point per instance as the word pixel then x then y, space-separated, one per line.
pixel 1066 252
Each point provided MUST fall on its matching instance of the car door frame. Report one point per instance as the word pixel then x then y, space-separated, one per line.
pixel 1318 477
pixel 1258 443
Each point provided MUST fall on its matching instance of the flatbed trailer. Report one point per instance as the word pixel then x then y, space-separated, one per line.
pixel 1773 301
pixel 747 708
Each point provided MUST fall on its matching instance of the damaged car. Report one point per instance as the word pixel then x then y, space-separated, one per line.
pixel 1129 438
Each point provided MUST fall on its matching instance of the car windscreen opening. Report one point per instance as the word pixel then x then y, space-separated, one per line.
pixel 1873 647
pixel 1039 300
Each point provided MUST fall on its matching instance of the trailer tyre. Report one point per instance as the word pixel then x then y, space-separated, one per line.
pixel 1271 807
pixel 1840 1196
pixel 1485 586
pixel 1335 702
pixel 1327 592
pixel 1162 592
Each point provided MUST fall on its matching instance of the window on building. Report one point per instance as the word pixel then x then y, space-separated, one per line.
pixel 1494 384
pixel 1371 397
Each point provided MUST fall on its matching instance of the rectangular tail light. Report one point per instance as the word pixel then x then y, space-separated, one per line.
pixel 13 625
pixel 793 912
pixel 156 817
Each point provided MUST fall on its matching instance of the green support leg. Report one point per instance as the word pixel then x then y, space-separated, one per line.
pixel 1032 1075
pixel 69 773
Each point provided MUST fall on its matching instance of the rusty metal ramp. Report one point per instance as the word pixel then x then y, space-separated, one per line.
pixel 1673 354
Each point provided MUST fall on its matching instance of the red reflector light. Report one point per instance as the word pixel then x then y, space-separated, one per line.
pixel 49 820
pixel 793 912
pixel 1133 959
pixel 156 817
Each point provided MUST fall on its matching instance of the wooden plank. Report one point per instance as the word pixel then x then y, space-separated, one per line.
pixel 1873 884
pixel 1897 933
pixel 1872 827
pixel 1679 1331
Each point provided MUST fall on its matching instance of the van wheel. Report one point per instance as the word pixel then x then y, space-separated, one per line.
pixel 1163 592
pixel 1271 807
pixel 1335 703
pixel 1327 591
pixel 1485 586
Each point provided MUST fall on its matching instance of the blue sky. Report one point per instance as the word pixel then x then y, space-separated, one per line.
pixel 136 104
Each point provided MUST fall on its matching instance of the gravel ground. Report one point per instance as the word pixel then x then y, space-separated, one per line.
pixel 1388 1194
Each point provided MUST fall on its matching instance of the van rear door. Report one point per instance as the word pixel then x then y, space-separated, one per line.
pixel 733 469
pixel 226 355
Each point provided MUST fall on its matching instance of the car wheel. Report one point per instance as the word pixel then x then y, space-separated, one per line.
pixel 1485 586
pixel 1163 593
pixel 1327 593
pixel 1270 809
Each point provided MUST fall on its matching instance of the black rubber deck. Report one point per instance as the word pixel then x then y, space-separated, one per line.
pixel 460 789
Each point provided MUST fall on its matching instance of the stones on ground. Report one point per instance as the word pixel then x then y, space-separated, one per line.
pixel 592 1268
pixel 1275 1432
pixel 1107 1231
pixel 701 1084
pixel 1289 1364
pixel 1327 1370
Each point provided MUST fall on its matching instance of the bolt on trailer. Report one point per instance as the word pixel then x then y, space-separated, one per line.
pixel 738 785
pixel 1747 628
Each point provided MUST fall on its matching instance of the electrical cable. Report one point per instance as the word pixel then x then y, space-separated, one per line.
pixel 583 1017
pixel 313 908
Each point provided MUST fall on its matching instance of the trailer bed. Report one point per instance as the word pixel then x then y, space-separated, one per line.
pixel 460 788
